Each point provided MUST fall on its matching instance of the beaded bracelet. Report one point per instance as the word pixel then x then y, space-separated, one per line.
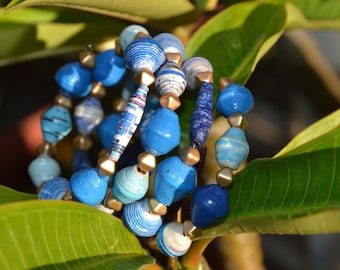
pixel 121 184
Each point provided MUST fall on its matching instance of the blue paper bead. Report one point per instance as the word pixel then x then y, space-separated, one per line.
pixel 88 186
pixel 170 43
pixel 130 185
pixel 144 53
pixel 43 168
pixel 173 180
pixel 88 114
pixel 232 148
pixel 160 132
pixel 74 80
pixel 138 219
pixel 152 104
pixel 129 33
pixel 210 203
pixel 193 66
pixel 56 124
pixel 234 98
pixel 81 160
pixel 109 68
pixel 129 88
pixel 106 129
pixel 54 189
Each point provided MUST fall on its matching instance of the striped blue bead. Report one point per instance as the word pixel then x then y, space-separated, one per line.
pixel 144 53
pixel 130 184
pixel 138 219
pixel 106 129
pixel 193 66
pixel 234 98
pixel 170 43
pixel 43 168
pixel 109 68
pixel 232 148
pixel 129 33
pixel 88 186
pixel 210 203
pixel 74 80
pixel 54 189
pixel 56 124
pixel 173 180
pixel 157 137
pixel 81 160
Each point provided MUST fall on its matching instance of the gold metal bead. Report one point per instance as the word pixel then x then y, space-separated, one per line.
pixel 206 76
pixel 170 100
pixel 102 153
pixel 118 49
pixel 157 208
pixel 146 161
pixel 98 90
pixel 190 155
pixel 106 166
pixel 87 59
pixel 119 104
pixel 82 141
pixel 224 82
pixel 111 202
pixel 141 34
pixel 63 101
pixel 145 77
pixel 67 196
pixel 174 57
pixel 224 177
pixel 190 230
pixel 237 120
pixel 46 148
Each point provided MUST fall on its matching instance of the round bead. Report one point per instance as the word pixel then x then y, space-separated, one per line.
pixel 56 124
pixel 210 203
pixel 54 189
pixel 232 148
pixel 171 240
pixel 42 169
pixel 139 219
pixel 144 53
pixel 106 129
pixel 88 186
pixel 74 80
pixel 170 43
pixel 234 98
pixel 109 68
pixel 129 33
pixel 173 180
pixel 130 184
pixel 193 66
pixel 157 137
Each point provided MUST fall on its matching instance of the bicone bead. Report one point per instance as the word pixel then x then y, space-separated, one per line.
pixel 106 129
pixel 88 114
pixel 109 68
pixel 129 33
pixel 173 180
pixel 138 218
pixel 74 80
pixel 193 66
pixel 210 203
pixel 56 124
pixel 130 184
pixel 54 189
pixel 170 43
pixel 171 240
pixel 88 186
pixel 234 98
pixel 144 53
pixel 160 132
pixel 81 160
pixel 232 148
pixel 43 168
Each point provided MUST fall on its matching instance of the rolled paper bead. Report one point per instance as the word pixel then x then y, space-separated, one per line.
pixel 170 43
pixel 74 80
pixel 81 160
pixel 109 68
pixel 152 104
pixel 173 180
pixel 88 186
pixel 43 168
pixel 234 98
pixel 171 240
pixel 130 184
pixel 138 219
pixel 170 78
pixel 54 189
pixel 160 132
pixel 144 53
pixel 56 124
pixel 201 117
pixel 193 66
pixel 232 148
pixel 210 203
pixel 129 33
pixel 106 129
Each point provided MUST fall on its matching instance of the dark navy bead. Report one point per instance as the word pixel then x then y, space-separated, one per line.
pixel 109 68
pixel 210 203
pixel 74 80
pixel 54 189
pixel 81 160
pixel 170 43
pixel 106 129
pixel 234 98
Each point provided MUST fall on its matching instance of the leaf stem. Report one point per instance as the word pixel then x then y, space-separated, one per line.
pixel 192 258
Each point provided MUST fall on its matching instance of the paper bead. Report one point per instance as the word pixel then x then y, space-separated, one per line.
pixel 81 160
pixel 54 189
pixel 129 33
pixel 106 129
pixel 193 66
pixel 170 43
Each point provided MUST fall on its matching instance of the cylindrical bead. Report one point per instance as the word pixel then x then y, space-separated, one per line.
pixel 193 66
pixel 170 43
pixel 54 189
pixel 129 33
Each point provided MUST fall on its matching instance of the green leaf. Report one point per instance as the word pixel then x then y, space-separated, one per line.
pixel 65 235
pixel 8 195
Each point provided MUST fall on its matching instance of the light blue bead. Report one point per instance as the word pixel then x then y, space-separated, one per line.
pixel 88 186
pixel 54 189
pixel 106 129
pixel 74 80
pixel 130 184
pixel 42 169
pixel 138 219
pixel 170 43
pixel 173 180
pixel 109 68
pixel 160 132
pixel 56 124
pixel 234 98
pixel 129 33
pixel 232 148
pixel 193 66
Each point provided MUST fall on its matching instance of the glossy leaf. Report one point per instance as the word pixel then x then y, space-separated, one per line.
pixel 65 235
pixel 8 195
